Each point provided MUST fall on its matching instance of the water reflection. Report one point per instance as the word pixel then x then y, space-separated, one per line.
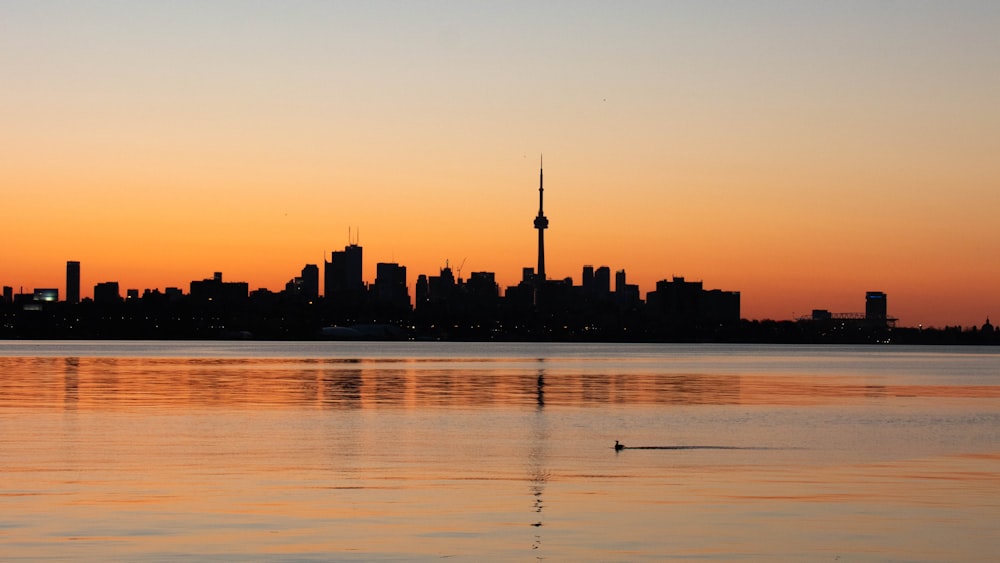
pixel 537 461
pixel 342 387
pixel 113 383
pixel 71 383
pixel 392 459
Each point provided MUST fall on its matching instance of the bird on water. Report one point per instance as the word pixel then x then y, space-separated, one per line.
pixel 619 447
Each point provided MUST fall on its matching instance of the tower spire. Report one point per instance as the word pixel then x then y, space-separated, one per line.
pixel 541 223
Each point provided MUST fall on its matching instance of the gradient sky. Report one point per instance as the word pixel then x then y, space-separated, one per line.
pixel 801 153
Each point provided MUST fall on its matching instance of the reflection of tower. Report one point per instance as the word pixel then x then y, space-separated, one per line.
pixel 537 456
pixel 71 382
pixel 541 223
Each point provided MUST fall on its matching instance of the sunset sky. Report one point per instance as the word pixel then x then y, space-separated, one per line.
pixel 801 153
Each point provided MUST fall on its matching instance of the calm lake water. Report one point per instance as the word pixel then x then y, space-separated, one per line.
pixel 323 451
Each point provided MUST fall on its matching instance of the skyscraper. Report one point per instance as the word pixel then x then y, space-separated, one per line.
pixel 107 293
pixel 72 282
pixel 876 310
pixel 343 277
pixel 390 286
pixel 588 279
pixel 310 281
pixel 541 223
pixel 602 280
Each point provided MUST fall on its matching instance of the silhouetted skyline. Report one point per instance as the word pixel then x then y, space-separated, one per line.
pixel 804 153
pixel 445 306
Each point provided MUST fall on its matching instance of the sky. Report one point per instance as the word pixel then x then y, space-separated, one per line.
pixel 801 153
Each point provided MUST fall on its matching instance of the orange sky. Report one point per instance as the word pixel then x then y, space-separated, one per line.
pixel 800 154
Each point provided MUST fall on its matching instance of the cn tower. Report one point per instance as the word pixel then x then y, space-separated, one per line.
pixel 541 223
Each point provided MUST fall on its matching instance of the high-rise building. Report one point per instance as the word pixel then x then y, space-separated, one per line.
pixel 72 281
pixel 107 293
pixel 483 284
pixel 219 292
pixel 626 294
pixel 620 281
pixel 442 286
pixel 306 285
pixel 587 280
pixel 602 280
pixel 679 302
pixel 310 281
pixel 876 310
pixel 390 286
pixel 343 276
pixel 423 292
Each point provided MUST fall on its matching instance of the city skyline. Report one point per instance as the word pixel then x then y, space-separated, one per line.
pixel 803 154
pixel 344 278
pixel 72 288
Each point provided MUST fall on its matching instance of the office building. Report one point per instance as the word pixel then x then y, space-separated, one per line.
pixel 107 293
pixel 72 281
pixel 343 274
pixel 219 292
pixel 46 295
pixel 390 288
pixel 602 281
pixel 876 310
pixel 310 281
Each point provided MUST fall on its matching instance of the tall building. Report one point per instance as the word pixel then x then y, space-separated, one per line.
pixel 310 281
pixel 390 288
pixel 620 281
pixel 72 281
pixel 587 280
pixel 484 285
pixel 423 292
pixel 683 303
pixel 219 292
pixel 876 310
pixel 343 278
pixel 602 280
pixel 107 293
pixel 442 286
pixel 541 223
pixel 306 285
pixel 626 294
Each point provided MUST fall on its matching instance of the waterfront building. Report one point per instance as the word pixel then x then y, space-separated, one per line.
pixel 343 275
pixel 218 291
pixel 876 309
pixel 72 281
pixel 107 293
pixel 390 288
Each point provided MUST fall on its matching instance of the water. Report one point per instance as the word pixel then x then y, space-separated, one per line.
pixel 425 451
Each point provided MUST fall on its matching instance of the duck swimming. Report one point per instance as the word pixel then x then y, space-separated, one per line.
pixel 619 447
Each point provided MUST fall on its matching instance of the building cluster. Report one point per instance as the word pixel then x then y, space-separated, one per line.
pixel 444 306
pixel 844 325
